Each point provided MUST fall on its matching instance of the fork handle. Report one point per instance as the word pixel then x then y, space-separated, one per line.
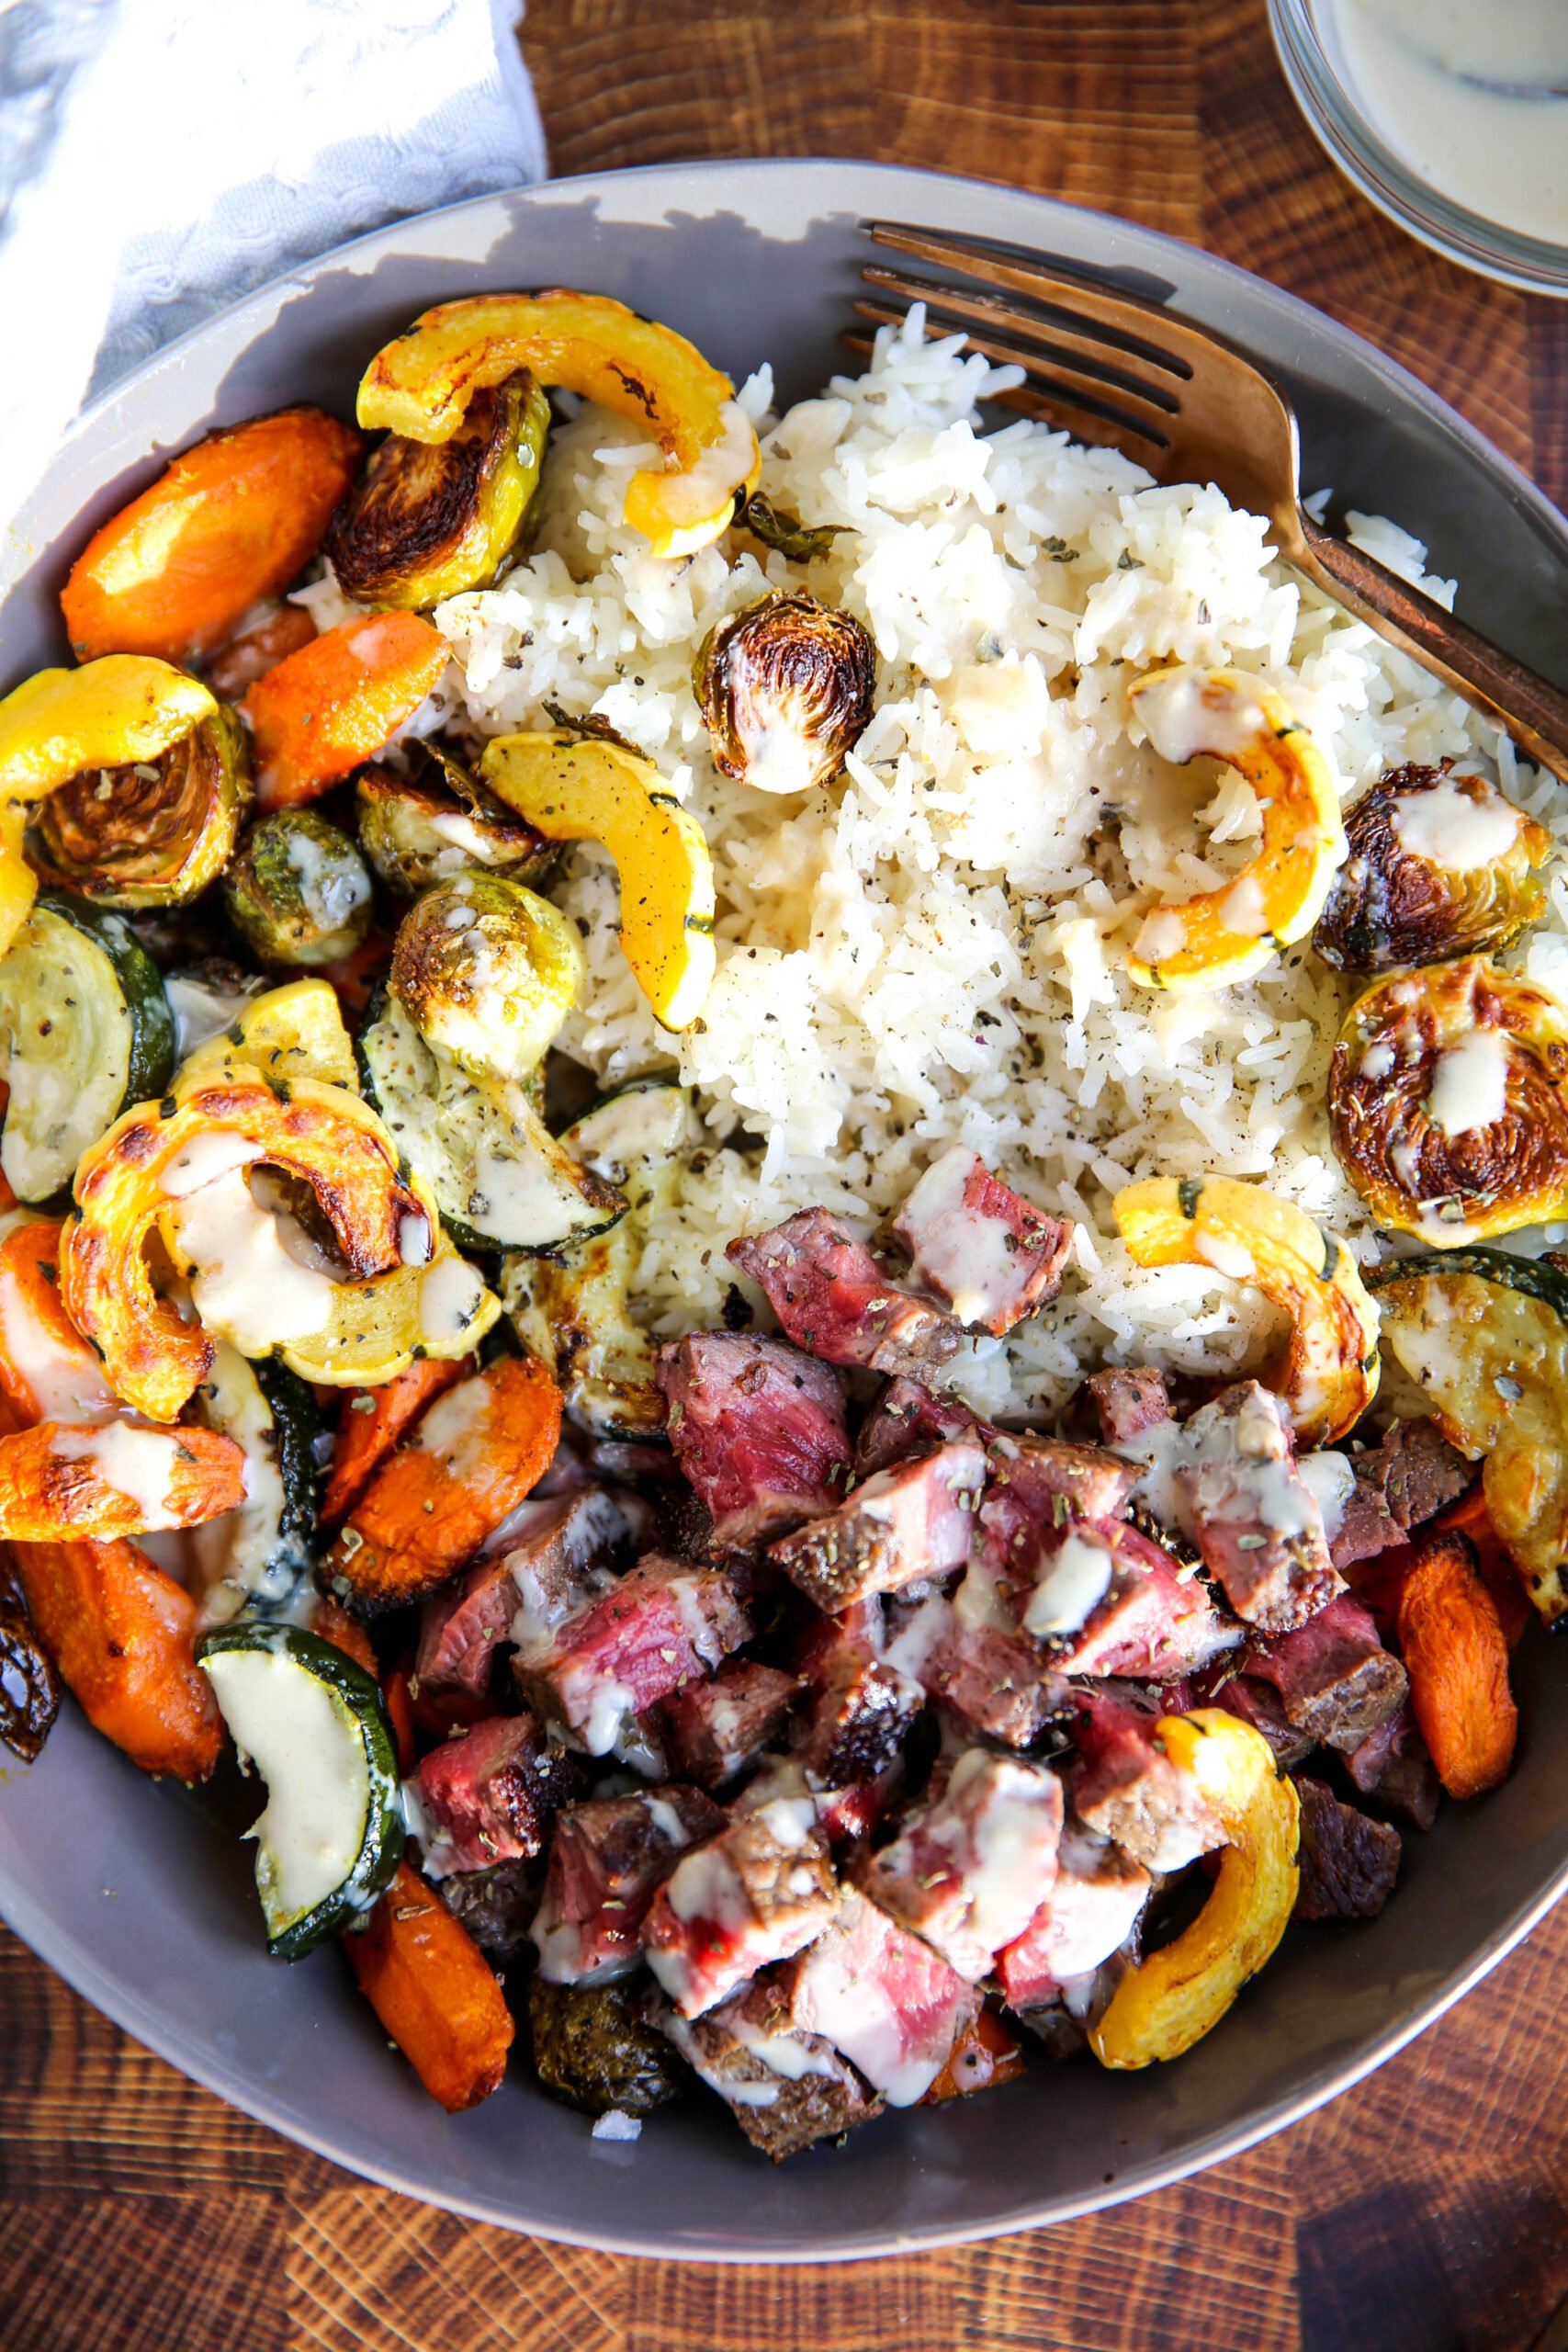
pixel 1532 711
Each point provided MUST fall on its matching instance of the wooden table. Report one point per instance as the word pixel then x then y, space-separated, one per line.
pixel 1428 2211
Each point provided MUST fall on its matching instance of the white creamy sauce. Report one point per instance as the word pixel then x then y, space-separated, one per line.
pixel 238 1554
pixel 610 1704
pixel 967 1257
pixel 789 2055
pixel 309 1750
pixel 1241 910
pixel 244 1283
pixel 667 1821
pixel 214 1153
pixel 137 1463
pixel 1470 1083
pixel 1225 1256
pixel 1072 1583
pixel 1161 935
pixel 1449 828
pixel 413 1239
pixel 1470 99
pixel 978 1604
pixel 456 1427
pixel 856 2016
pixel 1186 716
pixel 201 1013
pixel 691 497
pixel 778 759
pixel 1330 1480
pixel 1160 1453
pixel 1378 1062
pixel 66 1382
pixel 331 890
pixel 1014 1846
pixel 449 1296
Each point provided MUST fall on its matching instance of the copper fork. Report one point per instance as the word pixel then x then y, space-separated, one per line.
pixel 1187 404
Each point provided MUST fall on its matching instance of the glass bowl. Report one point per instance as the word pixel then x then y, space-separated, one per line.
pixel 1313 57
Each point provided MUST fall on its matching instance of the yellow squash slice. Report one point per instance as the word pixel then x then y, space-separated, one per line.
pixel 1329 1373
pixel 1227 935
pixel 290 1033
pixel 575 788
pixel 1175 1997
pixel 109 714
pixel 419 386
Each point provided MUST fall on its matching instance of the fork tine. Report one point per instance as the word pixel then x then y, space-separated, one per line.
pixel 1086 415
pixel 1053 377
pixel 1065 343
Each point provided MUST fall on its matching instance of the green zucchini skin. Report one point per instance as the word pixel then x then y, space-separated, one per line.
pixel 1528 1275
pixel 260 1577
pixel 382 1844
pixel 142 1001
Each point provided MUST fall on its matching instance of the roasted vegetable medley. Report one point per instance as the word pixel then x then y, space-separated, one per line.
pixel 729 1703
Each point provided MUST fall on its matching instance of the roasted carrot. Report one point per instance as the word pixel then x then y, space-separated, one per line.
pixel 337 702
pixel 983 2054
pixel 1457 1658
pixel 1469 1517
pixel 473 1457
pixel 59 1482
pixel 399 1714
pixel 280 630
pixel 232 520
pixel 123 1634
pixel 434 1991
pixel 8 1198
pixel 345 1633
pixel 372 1421
pixel 46 1366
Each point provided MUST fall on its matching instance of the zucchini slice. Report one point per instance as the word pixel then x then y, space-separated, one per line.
pixel 311 1723
pixel 573 1307
pixel 501 1180
pixel 1486 1336
pixel 258 1557
pixel 84 1028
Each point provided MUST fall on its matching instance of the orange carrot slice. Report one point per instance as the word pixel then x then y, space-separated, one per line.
pixel 346 1633
pixel 282 629
pixel 983 2054
pixel 337 702
pixel 372 1421
pixel 59 1482
pixel 232 520
pixel 434 1991
pixel 1457 1658
pixel 46 1370
pixel 1469 1517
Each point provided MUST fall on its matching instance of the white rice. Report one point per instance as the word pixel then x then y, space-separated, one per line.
pixel 932 947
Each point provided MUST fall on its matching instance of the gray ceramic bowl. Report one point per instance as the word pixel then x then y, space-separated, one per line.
pixel 141 1899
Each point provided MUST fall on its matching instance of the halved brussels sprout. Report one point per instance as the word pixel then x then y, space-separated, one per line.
pixel 299 891
pixel 153 832
pixel 785 689
pixel 416 831
pixel 486 970
pixel 1438 866
pixel 1448 1103
pixel 429 519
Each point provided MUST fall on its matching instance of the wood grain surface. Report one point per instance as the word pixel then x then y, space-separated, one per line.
pixel 1426 2212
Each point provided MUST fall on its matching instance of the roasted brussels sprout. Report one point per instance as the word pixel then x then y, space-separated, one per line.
pixel 1448 1103
pixel 430 519
pixel 154 833
pixel 487 971
pixel 1438 866
pixel 593 2051
pixel 786 690
pixel 299 891
pixel 416 831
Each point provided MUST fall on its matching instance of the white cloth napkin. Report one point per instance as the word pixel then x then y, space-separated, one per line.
pixel 159 158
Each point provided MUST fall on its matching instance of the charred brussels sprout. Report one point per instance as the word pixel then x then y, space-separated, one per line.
pixel 417 831
pixel 486 970
pixel 154 833
pixel 299 891
pixel 786 690
pixel 592 2049
pixel 1438 866
pixel 430 519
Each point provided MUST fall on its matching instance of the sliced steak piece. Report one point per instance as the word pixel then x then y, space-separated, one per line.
pixel 1349 1862
pixel 759 1429
pixel 547 1572
pixel 1127 1788
pixel 910 1418
pixel 1392 1767
pixel 858 1711
pixel 1257 1703
pixel 717 1728
pixel 1399 1484
pixel 971 1867
pixel 1336 1681
pixel 1038 1483
pixel 912 1521
pixel 1258 1530
pixel 497 1905
pixel 784 2088
pixel 490 1795
pixel 882 1998
pixel 606 1858
pixel 664 1624
pixel 973 1242
pixel 1089 1914
pixel 1129 1403
pixel 833 1298
pixel 1136 1612
pixel 758 1891
pixel 991 1676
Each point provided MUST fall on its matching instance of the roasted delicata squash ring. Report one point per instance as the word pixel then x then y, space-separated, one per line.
pixel 1227 935
pixel 1180 1993
pixel 1448 1103
pixel 152 833
pixel 1486 1336
pixel 1329 1374
pixel 584 788
pixel 1437 865
pixel 421 386
pixel 159 1155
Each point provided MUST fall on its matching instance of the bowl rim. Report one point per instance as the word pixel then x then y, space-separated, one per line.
pixel 158 2031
